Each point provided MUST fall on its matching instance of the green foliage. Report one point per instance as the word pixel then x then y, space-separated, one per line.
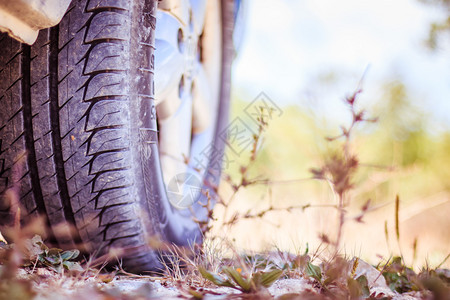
pixel 53 258
pixel 266 279
pixel 337 281
pixel 314 271
pixel 251 283
pixel 402 279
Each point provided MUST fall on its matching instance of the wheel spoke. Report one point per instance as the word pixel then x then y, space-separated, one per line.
pixel 187 86
pixel 203 113
pixel 201 149
pixel 175 138
pixel 168 27
pixel 178 8
pixel 198 8
pixel 169 61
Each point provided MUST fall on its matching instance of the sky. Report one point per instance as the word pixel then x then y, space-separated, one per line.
pixel 299 52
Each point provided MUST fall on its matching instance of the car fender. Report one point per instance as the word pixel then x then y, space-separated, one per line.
pixel 22 19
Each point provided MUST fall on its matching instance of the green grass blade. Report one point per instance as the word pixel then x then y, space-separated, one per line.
pixel 268 278
pixel 314 271
pixel 244 283
pixel 216 279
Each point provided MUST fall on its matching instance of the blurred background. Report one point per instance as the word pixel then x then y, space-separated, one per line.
pixel 307 56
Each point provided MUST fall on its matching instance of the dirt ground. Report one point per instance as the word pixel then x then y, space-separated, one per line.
pixel 126 287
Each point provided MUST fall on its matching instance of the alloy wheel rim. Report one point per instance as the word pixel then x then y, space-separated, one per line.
pixel 187 86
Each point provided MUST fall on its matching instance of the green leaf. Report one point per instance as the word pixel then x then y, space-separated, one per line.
pixel 41 258
pixel 364 285
pixel 216 279
pixel 70 254
pixel 54 252
pixel 53 260
pixel 268 278
pixel 244 283
pixel 314 271
pixel 57 268
pixel 195 294
pixel 210 276
pixel 397 282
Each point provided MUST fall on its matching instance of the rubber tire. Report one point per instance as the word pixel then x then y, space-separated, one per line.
pixel 78 130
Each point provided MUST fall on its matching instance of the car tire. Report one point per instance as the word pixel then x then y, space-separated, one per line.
pixel 80 137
